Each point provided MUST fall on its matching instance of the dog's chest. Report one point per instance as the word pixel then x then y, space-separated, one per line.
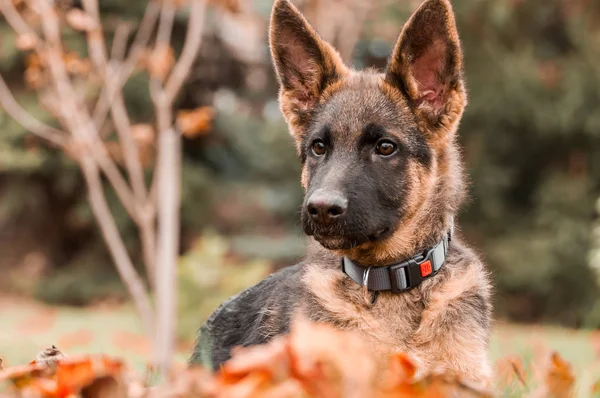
pixel 389 323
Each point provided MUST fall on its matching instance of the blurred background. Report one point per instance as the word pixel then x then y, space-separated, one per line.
pixel 531 139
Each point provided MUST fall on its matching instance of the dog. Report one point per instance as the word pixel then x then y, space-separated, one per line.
pixel 383 178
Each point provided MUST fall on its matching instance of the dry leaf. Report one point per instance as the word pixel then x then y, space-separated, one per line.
pixel 509 369
pixel 558 379
pixel 49 358
pixel 160 62
pixel 80 20
pixel 402 367
pixel 29 378
pixel 76 65
pixel 74 374
pixel 192 381
pixel 195 122
pixel 35 78
pixel 312 361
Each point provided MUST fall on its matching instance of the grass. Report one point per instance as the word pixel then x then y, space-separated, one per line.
pixel 28 327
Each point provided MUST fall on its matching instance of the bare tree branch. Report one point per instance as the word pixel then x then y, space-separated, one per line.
pixel 42 130
pixel 116 180
pixel 165 25
pixel 124 70
pixel 14 19
pixel 162 203
pixel 95 39
pixel 115 244
pixel 168 166
pixel 119 45
pixel 189 53
pixel 83 129
pixel 120 117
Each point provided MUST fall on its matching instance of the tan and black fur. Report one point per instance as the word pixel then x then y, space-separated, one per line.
pixel 380 207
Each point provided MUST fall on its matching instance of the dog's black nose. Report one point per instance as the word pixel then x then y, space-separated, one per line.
pixel 325 206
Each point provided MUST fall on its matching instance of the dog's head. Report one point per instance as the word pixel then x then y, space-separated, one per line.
pixel 374 146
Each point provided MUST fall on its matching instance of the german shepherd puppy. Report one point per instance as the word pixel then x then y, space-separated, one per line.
pixel 383 180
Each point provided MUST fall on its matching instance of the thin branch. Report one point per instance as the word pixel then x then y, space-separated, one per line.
pixel 168 179
pixel 165 25
pixel 116 180
pixel 42 130
pixel 58 137
pixel 163 41
pixel 99 152
pixel 95 40
pixel 83 130
pixel 73 112
pixel 119 45
pixel 14 19
pixel 115 244
pixel 191 46
pixel 118 79
pixel 190 50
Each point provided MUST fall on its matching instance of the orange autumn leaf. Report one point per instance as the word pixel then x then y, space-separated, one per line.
pixel 35 78
pixel 73 374
pixel 30 380
pixel 559 377
pixel 195 122
pixel 20 376
pixel 509 369
pixel 272 359
pixel 75 64
pixel 402 366
pixel 556 378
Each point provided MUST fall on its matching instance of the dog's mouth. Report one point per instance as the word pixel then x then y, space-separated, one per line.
pixel 347 242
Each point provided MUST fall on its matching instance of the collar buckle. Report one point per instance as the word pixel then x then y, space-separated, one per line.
pixel 399 276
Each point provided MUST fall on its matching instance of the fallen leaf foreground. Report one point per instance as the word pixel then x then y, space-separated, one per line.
pixel 312 361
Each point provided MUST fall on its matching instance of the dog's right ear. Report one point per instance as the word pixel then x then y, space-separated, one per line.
pixel 305 64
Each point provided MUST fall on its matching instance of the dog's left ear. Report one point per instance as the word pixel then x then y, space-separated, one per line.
pixel 426 65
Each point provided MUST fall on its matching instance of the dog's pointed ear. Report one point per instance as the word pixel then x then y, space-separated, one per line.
pixel 426 64
pixel 305 64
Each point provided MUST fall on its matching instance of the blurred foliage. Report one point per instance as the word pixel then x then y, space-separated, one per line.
pixel 220 276
pixel 530 135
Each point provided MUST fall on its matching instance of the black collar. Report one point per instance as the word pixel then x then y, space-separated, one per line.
pixel 401 276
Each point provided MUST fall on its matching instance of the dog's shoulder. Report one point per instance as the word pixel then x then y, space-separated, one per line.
pixel 252 317
pixel 461 291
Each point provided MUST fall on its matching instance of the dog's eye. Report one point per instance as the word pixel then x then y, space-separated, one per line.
pixel 385 148
pixel 318 147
